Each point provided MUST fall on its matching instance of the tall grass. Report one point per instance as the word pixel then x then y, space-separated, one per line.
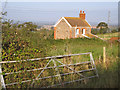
pixel 107 36
pixel 42 44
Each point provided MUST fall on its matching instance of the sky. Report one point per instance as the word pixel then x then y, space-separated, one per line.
pixel 50 12
pixel 60 0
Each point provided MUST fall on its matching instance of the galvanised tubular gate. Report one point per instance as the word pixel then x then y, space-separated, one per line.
pixel 52 58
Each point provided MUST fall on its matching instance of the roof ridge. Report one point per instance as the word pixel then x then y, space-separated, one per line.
pixel 76 17
pixel 73 21
pixel 72 17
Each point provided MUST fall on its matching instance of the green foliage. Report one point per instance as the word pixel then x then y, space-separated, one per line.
pixel 28 26
pixel 103 30
pixel 102 25
pixel 18 42
pixel 114 30
pixel 95 31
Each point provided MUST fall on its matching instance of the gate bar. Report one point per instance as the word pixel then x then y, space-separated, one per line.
pixel 71 81
pixel 57 71
pixel 52 57
pixel 48 67
pixel 55 58
pixel 41 72
pixel 91 58
pixel 50 77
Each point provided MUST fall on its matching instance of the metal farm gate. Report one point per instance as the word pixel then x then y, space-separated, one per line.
pixel 56 65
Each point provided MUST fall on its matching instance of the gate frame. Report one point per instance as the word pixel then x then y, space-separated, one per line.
pixel 52 58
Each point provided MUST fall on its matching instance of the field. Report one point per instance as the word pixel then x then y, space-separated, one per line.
pixel 42 44
pixel 108 35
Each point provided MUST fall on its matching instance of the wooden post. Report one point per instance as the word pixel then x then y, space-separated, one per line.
pixel 104 55
pixel 100 59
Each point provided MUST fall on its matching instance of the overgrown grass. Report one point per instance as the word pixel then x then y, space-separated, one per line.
pixel 108 35
pixel 42 44
pixel 108 76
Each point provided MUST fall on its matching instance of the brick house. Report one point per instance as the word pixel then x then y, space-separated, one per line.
pixel 72 27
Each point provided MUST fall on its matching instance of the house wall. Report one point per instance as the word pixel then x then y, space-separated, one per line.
pixel 87 31
pixel 73 32
pixel 62 30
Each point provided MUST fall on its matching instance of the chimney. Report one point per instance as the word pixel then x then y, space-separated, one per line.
pixel 82 15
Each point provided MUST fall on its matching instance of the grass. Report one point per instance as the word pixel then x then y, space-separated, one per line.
pixel 108 35
pixel 43 40
pixel 108 78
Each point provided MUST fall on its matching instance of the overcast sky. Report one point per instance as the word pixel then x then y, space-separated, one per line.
pixel 52 11
pixel 61 0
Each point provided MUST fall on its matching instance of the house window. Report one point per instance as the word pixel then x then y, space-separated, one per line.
pixel 83 31
pixel 76 32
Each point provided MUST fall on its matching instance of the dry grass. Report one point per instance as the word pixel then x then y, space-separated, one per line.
pixel 107 36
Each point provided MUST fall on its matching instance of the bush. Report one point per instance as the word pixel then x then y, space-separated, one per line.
pixel 103 31
pixel 95 31
pixel 17 43
pixel 99 31
pixel 114 30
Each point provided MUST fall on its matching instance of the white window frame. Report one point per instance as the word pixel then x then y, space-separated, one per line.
pixel 83 30
pixel 76 32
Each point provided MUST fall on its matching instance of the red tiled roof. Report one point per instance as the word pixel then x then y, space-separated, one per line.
pixel 73 21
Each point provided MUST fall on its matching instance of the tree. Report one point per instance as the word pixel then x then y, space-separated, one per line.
pixel 29 26
pixel 103 27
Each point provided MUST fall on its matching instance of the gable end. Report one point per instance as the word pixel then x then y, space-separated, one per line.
pixel 64 20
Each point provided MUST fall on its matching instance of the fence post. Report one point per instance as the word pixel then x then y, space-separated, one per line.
pixel 104 55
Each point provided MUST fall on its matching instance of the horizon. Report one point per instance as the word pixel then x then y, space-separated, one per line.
pixel 51 12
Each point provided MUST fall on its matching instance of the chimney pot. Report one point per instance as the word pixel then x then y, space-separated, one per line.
pixel 82 15
pixel 80 11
